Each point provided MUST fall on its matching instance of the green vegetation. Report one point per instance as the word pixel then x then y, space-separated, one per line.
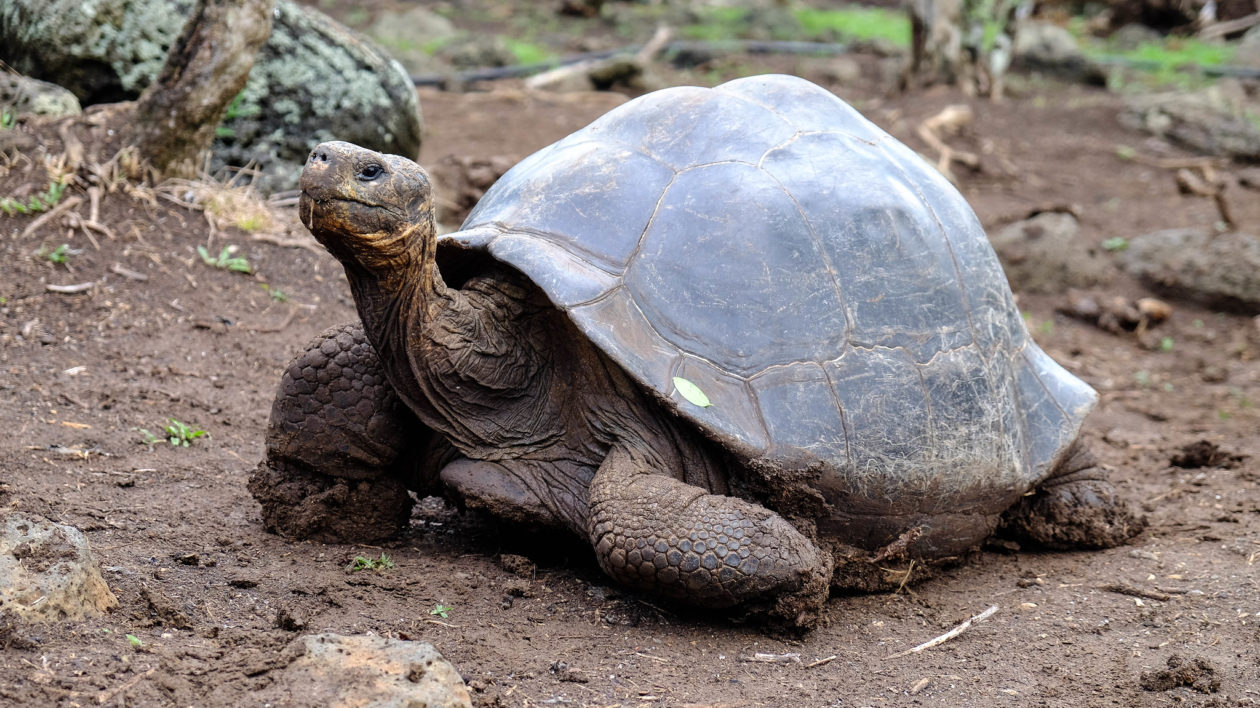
pixel 59 255
pixel 855 22
pixel 440 610
pixel 1159 64
pixel 364 563
pixel 527 52
pixel 803 24
pixel 7 119
pixel 36 203
pixel 134 641
pixel 276 293
pixel 691 392
pixel 1166 344
pixel 1115 244
pixel 225 259
pixel 235 109
pixel 176 433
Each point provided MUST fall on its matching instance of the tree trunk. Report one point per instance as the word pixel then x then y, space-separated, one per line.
pixel 174 120
pixel 962 42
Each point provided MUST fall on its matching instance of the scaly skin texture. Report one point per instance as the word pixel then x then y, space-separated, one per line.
pixel 672 538
pixel 494 392
pixel 341 447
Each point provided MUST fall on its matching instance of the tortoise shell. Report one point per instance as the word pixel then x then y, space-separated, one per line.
pixel 830 293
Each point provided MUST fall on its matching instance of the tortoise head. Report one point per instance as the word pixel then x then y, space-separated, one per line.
pixel 369 210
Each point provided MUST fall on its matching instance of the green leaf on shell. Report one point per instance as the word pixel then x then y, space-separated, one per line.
pixel 691 392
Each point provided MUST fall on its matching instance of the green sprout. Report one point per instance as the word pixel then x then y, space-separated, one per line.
pixel 135 641
pixel 235 110
pixel 59 255
pixel 7 119
pixel 276 293
pixel 1115 243
pixel 36 203
pixel 176 433
pixel 364 563
pixel 440 610
pixel 225 259
pixel 1166 344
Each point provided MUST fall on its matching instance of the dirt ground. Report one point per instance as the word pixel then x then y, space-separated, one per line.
pixel 214 598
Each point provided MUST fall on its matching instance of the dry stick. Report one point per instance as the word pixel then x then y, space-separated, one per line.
pixel 820 662
pixel 119 269
pixel 1220 29
pixel 950 118
pixel 948 635
pixel 94 211
pixel 67 204
pixel 1134 592
pixel 70 289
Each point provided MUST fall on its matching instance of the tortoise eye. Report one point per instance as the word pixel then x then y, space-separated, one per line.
pixel 369 172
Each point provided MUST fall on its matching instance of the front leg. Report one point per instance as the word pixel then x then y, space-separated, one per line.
pixel 342 449
pixel 656 533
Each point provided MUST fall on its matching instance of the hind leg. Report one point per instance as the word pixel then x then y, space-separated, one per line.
pixel 659 534
pixel 342 449
pixel 1076 507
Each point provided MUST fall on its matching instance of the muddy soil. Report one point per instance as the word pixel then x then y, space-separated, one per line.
pixel 529 620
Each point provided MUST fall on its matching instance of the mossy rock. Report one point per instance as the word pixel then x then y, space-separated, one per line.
pixel 314 80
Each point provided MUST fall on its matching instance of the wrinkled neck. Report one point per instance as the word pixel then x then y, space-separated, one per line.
pixel 394 297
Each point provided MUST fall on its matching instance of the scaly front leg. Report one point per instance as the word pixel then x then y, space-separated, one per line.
pixel 342 450
pixel 665 536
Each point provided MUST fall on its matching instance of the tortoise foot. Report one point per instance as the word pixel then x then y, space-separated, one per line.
pixel 665 536
pixel 1078 507
pixel 298 503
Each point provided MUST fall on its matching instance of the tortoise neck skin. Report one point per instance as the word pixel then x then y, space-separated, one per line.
pixel 374 213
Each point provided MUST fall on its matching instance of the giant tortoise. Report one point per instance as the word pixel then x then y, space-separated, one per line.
pixel 740 338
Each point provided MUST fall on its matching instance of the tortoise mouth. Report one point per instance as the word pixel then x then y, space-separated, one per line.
pixel 344 212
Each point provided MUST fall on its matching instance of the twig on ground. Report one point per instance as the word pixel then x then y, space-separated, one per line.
pixel 948 121
pixel 1220 29
pixel 764 658
pixel 119 269
pixel 820 662
pixel 51 214
pixel 70 289
pixel 1122 589
pixel 948 635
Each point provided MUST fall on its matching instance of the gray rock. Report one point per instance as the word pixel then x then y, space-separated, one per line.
pixel 1217 269
pixel 1044 43
pixel 47 572
pixel 1248 52
pixel 478 51
pixel 845 71
pixel 23 95
pixel 1046 254
pixel 1133 35
pixel 330 669
pixel 1042 46
pixel 1212 121
pixel 314 79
